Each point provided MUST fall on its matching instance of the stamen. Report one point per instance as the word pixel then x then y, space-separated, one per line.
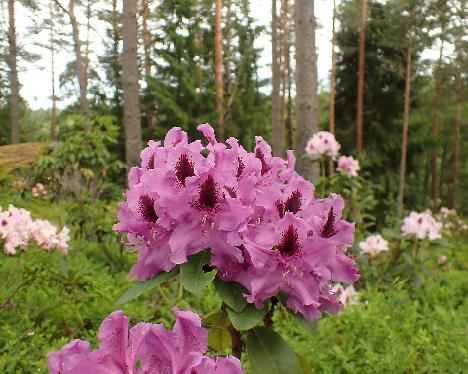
pixel 184 168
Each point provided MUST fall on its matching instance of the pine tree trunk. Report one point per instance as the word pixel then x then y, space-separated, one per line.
pixel 276 122
pixel 458 119
pixel 288 121
pixel 331 123
pixel 228 53
pixel 360 88
pixel 147 46
pixel 284 62
pixel 435 128
pixel 116 61
pixel 53 114
pixel 306 85
pixel 14 84
pixel 406 112
pixel 131 104
pixel 219 70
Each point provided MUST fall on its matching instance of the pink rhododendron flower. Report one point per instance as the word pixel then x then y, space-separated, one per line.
pixel 17 228
pixel 322 143
pixel 373 245
pixel 348 165
pixel 144 349
pixel 258 217
pixel 422 225
pixel 347 295
pixel 442 260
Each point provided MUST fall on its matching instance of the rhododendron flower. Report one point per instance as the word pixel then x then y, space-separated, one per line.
pixel 144 349
pixel 256 215
pixel 348 165
pixel 422 225
pixel 442 260
pixel 17 228
pixel 347 295
pixel 322 143
pixel 374 244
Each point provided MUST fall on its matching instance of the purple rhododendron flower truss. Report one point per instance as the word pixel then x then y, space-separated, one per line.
pixel 144 349
pixel 259 218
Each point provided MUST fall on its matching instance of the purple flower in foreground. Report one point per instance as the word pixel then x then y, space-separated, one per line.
pixel 144 349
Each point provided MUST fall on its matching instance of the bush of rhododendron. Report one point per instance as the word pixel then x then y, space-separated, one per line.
pixel 243 220
pixel 18 229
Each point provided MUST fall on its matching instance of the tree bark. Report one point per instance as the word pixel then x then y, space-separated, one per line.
pixel 219 70
pixel 306 85
pixel 435 127
pixel 360 88
pixel 284 64
pixel 228 53
pixel 14 84
pixel 53 114
pixel 131 104
pixel 147 49
pixel 80 63
pixel 276 121
pixel 331 122
pixel 406 112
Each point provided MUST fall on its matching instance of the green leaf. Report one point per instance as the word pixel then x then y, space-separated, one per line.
pixel 192 276
pixel 219 337
pixel 269 353
pixel 248 318
pixel 231 293
pixel 142 287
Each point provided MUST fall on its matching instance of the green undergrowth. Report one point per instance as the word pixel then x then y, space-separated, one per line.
pixel 46 300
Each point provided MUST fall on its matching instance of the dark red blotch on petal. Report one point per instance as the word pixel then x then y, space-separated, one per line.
pixel 289 244
pixel 184 168
pixel 293 203
pixel 208 194
pixel 146 208
pixel 329 229
pixel 265 167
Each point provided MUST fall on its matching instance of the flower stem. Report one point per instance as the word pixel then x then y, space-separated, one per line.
pixel 236 342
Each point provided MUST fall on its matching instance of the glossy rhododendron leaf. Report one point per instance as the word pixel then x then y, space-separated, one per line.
pixel 142 287
pixel 270 354
pixel 248 318
pixel 219 337
pixel 193 276
pixel 232 294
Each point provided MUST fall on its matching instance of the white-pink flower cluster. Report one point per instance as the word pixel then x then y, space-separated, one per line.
pixel 322 143
pixel 373 245
pixel 18 228
pixel 422 225
pixel 39 190
pixel 348 165
pixel 346 295
pixel 450 220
